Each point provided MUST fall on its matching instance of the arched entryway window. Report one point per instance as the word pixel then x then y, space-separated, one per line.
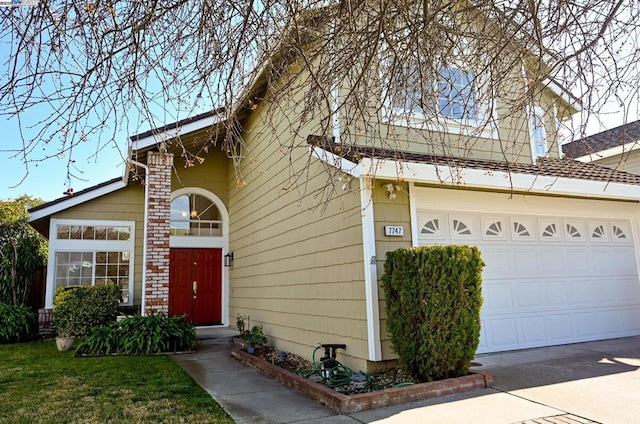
pixel 195 215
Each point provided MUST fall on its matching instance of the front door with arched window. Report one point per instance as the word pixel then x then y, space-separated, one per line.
pixel 198 238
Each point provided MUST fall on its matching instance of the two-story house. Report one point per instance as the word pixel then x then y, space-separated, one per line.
pixel 186 233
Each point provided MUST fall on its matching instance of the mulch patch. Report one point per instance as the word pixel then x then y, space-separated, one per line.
pixel 305 368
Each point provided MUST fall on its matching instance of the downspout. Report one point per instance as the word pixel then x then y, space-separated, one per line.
pixel 146 225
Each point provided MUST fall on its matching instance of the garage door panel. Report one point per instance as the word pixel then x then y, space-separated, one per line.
pixel 609 322
pixel 586 324
pixel 528 295
pixel 623 260
pixel 552 261
pixel 575 261
pixel 605 291
pixel 498 297
pixel 581 292
pixel 600 261
pixel 532 330
pixel 559 328
pixel 502 333
pixel 497 261
pixel 524 261
pixel 630 321
pixel 628 290
pixel 556 294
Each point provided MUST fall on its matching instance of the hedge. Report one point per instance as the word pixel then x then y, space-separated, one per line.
pixel 433 300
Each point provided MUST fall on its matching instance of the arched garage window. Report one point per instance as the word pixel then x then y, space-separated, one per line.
pixel 195 215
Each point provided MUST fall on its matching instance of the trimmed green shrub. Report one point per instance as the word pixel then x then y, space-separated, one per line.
pixel 76 310
pixel 17 323
pixel 433 298
pixel 141 335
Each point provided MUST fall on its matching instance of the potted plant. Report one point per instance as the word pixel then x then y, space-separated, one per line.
pixel 241 324
pixel 255 338
pixel 64 335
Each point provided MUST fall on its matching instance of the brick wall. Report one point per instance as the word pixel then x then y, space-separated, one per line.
pixel 157 265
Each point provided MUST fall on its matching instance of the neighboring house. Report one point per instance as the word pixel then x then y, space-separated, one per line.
pixel 560 238
pixel 617 148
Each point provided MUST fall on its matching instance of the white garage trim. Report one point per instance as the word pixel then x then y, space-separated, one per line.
pixel 497 180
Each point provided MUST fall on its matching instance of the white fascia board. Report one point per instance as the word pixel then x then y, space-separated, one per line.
pixel 154 139
pixel 76 200
pixel 345 165
pixel 498 180
pixel 563 94
pixel 618 150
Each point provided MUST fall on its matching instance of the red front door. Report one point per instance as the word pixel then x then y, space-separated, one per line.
pixel 195 285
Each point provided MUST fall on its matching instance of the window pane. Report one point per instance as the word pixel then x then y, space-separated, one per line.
pixel 101 233
pixel 194 215
pixel 62 232
pixel 76 232
pixel 455 93
pixel 112 233
pixel 124 233
pixel 88 233
pixel 73 268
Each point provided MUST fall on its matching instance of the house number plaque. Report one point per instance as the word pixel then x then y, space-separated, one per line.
pixel 393 230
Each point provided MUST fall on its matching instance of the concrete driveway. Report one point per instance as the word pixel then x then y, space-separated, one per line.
pixel 594 382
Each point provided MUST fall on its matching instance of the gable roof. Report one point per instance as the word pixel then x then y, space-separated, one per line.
pixel 39 215
pixel 547 175
pixel 604 144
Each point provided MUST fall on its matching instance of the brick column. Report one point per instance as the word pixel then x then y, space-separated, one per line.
pixel 157 266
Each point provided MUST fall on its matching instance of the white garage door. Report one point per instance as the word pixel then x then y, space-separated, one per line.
pixel 547 280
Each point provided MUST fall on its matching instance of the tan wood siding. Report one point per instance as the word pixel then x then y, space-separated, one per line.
pixel 298 267
pixel 629 162
pixel 211 174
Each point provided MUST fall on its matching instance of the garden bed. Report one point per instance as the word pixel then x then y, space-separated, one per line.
pixel 346 404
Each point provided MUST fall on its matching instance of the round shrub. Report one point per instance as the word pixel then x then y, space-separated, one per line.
pixel 76 310
pixel 433 300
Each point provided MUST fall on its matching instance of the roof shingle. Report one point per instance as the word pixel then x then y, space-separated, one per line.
pixel 595 143
pixel 553 167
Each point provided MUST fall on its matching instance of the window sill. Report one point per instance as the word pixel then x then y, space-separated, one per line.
pixel 472 128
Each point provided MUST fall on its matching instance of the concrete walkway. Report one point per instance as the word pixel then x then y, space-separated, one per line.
pixel 596 382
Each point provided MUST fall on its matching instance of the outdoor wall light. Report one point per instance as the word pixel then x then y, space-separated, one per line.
pixel 346 182
pixel 392 188
pixel 228 259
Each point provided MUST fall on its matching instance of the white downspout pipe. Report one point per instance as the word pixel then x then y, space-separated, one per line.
pixel 146 229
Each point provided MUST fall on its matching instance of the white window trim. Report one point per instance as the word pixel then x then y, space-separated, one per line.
pixel 533 112
pixel 485 125
pixel 68 245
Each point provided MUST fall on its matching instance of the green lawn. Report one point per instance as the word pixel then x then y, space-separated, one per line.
pixel 38 384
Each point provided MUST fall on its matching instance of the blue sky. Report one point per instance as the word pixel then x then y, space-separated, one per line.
pixel 48 179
